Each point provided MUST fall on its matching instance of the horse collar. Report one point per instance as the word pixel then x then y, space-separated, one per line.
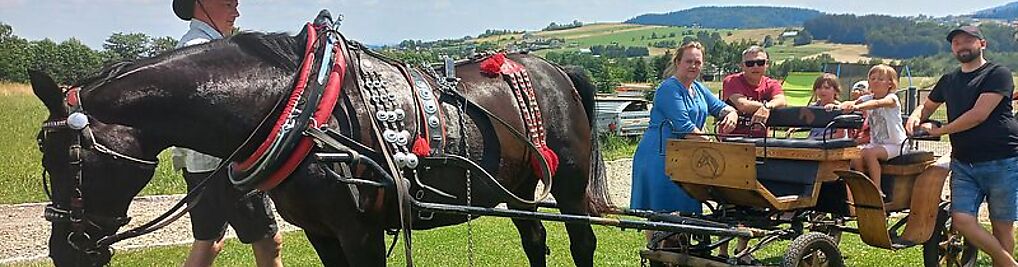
pixel 310 104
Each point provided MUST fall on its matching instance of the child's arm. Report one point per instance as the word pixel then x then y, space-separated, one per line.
pixel 886 102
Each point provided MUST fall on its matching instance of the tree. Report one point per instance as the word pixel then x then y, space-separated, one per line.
pixel 640 70
pixel 129 46
pixel 609 76
pixel 160 45
pixel 660 63
pixel 6 31
pixel 14 55
pixel 76 61
pixel 803 38
pixel 768 41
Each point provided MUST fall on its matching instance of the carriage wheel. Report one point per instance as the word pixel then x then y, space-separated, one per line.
pixel 947 247
pixel 813 249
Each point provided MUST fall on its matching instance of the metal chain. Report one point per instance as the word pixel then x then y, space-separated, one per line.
pixel 448 84
pixel 466 154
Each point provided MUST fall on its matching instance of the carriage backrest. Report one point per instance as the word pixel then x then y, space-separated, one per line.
pixel 813 117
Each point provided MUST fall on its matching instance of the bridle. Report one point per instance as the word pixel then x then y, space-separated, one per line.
pixel 75 213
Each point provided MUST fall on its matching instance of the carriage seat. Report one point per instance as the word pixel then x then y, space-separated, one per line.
pixel 910 157
pixel 806 117
pixel 794 143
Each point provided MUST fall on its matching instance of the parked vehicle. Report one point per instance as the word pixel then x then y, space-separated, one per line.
pixel 622 116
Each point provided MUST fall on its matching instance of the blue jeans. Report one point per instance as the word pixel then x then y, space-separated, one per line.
pixel 996 181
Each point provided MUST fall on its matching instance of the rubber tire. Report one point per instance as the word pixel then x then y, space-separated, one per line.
pixel 931 249
pixel 809 242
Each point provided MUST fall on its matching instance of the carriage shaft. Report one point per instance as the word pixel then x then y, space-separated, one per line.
pixel 570 218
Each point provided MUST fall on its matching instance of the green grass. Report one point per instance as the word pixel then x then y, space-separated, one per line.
pixel 798 87
pixel 780 53
pixel 617 147
pixel 20 159
pixel 496 243
pixel 632 37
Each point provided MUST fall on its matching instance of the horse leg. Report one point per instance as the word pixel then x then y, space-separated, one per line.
pixel 329 249
pixel 532 233
pixel 363 245
pixel 532 236
pixel 570 194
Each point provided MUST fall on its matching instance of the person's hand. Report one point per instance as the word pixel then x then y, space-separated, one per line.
pixel 911 125
pixel 728 122
pixel 848 107
pixel 760 116
pixel 930 129
pixel 830 107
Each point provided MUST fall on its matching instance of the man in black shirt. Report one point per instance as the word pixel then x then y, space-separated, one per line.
pixel 984 143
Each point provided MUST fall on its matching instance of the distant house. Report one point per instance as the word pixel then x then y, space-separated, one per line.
pixel 585 51
pixel 789 34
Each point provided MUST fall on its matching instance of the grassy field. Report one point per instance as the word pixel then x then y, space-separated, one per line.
pixel 496 243
pixel 20 180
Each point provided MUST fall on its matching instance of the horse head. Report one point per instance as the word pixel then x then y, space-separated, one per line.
pixel 103 135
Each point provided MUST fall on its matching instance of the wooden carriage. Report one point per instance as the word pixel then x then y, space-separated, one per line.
pixel 789 175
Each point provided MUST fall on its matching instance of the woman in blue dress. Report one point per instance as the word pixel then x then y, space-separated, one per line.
pixel 681 105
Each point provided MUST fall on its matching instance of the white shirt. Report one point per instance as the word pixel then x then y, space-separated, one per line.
pixel 194 161
pixel 886 126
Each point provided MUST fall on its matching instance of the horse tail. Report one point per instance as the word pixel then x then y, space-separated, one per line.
pixel 597 186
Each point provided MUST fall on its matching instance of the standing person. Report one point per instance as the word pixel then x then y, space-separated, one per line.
pixel 681 106
pixel 221 204
pixel 984 143
pixel 752 93
pixel 886 130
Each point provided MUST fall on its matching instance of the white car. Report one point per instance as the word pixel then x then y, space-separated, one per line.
pixel 622 116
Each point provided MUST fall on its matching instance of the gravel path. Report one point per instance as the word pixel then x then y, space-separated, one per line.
pixel 24 233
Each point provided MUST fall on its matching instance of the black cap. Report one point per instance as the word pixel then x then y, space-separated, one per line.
pixel 184 9
pixel 968 29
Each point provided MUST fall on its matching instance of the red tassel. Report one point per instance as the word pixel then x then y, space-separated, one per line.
pixel 550 157
pixel 493 65
pixel 421 147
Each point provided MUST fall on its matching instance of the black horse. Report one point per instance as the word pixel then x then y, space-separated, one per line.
pixel 213 97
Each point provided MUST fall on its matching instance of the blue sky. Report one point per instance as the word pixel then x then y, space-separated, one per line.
pixel 389 21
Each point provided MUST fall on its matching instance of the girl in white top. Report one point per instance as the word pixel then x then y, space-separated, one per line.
pixel 887 131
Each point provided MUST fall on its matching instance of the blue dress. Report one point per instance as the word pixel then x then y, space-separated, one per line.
pixel 675 112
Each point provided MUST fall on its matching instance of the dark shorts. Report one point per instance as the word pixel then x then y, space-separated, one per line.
pixel 224 204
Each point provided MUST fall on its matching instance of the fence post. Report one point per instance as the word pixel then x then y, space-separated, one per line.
pixel 910 99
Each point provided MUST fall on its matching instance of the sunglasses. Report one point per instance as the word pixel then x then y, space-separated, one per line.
pixel 755 63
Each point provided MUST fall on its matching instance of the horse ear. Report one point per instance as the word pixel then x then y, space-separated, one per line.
pixel 48 91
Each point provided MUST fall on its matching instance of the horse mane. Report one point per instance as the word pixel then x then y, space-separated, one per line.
pixel 278 49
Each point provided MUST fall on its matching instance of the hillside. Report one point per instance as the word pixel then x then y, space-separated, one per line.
pixel 738 17
pixel 1004 12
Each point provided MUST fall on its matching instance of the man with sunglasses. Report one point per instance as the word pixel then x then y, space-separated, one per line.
pixel 752 93
pixel 222 204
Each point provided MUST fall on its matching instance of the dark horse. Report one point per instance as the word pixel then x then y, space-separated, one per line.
pixel 212 97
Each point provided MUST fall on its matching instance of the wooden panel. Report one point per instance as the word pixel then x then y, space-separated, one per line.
pixel 911 169
pixel 731 165
pixel 922 217
pixel 827 168
pixel 816 154
pixel 902 195
pixel 869 207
